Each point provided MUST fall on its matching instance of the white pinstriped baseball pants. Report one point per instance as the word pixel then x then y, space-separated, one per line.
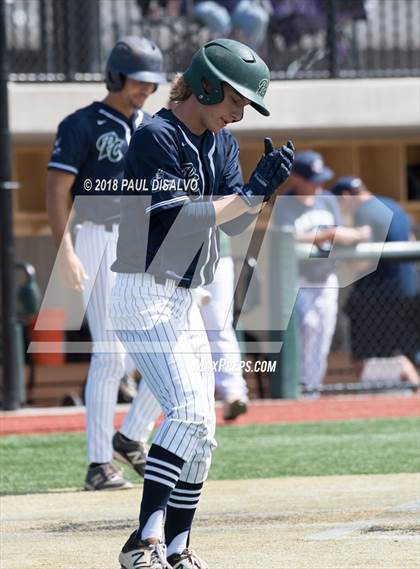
pixel 161 326
pixel 96 248
pixel 218 320
pixel 317 313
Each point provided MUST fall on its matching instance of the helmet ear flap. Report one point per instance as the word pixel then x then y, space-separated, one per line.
pixel 211 91
pixel 114 81
pixel 206 86
pixel 121 79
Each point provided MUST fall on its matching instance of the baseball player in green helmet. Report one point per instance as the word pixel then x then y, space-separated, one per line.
pixel 168 245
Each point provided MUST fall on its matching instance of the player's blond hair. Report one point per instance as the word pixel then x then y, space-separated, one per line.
pixel 180 90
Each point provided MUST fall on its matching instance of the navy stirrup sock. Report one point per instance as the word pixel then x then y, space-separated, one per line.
pixel 163 469
pixel 180 511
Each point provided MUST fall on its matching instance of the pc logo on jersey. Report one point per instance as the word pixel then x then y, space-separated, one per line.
pixel 190 173
pixel 110 146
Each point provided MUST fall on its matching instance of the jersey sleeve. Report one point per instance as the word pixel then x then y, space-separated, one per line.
pixel 153 159
pixel 70 146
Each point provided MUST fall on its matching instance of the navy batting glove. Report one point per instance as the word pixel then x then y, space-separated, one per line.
pixel 284 163
pixel 268 145
pixel 272 170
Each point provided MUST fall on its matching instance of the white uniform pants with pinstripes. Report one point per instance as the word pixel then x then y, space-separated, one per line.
pixel 96 248
pixel 317 313
pixel 218 320
pixel 161 327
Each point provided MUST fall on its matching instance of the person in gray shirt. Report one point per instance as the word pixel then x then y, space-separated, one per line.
pixel 315 217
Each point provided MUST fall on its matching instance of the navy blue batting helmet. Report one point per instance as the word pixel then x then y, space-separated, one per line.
pixel 134 57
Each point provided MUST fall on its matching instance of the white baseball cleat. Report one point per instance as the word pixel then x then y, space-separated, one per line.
pixel 188 559
pixel 106 477
pixel 138 554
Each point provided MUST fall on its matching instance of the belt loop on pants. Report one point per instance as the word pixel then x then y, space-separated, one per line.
pixel 163 281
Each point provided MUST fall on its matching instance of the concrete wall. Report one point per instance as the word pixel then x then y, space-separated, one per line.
pixel 304 108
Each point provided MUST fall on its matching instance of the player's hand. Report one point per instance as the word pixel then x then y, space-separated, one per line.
pixel 271 171
pixel 73 272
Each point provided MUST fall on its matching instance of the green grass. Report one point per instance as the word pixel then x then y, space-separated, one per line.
pixel 40 463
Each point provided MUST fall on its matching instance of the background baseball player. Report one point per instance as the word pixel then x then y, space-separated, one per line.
pixel 316 218
pixel 91 144
pixel 217 316
pixel 168 244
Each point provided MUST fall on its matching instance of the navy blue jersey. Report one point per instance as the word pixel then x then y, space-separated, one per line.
pixel 400 277
pixel 324 212
pixel 169 230
pixel 91 144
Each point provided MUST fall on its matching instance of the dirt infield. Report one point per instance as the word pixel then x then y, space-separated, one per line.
pixel 65 419
pixel 346 522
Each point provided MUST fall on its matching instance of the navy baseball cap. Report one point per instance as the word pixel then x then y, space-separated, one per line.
pixel 310 166
pixel 346 184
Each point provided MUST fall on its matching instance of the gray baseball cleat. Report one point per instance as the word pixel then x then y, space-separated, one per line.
pixel 106 477
pixel 138 554
pixel 233 407
pixel 130 452
pixel 188 559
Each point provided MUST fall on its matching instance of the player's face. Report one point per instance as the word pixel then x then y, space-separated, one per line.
pixel 135 93
pixel 302 186
pixel 231 109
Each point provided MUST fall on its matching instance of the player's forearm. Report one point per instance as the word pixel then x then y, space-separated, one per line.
pixel 57 200
pixel 193 217
pixel 58 216
pixel 316 238
pixel 231 207
pixel 344 236
pixel 347 236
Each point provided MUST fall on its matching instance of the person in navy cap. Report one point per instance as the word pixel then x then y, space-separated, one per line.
pixel 315 217
pixel 383 308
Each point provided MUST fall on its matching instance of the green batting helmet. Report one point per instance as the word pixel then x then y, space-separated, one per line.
pixel 234 63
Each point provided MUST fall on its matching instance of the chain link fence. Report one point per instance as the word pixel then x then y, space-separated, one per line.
pixel 376 345
pixel 68 40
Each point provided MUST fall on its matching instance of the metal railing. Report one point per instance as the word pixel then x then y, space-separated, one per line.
pixel 392 251
pixel 68 40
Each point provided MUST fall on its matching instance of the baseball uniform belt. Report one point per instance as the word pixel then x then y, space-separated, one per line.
pixel 109 227
pixel 163 280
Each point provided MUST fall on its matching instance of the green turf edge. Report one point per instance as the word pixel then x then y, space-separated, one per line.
pixel 42 463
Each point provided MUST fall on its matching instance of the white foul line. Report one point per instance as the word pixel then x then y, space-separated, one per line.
pixel 340 531
pixel 410 507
